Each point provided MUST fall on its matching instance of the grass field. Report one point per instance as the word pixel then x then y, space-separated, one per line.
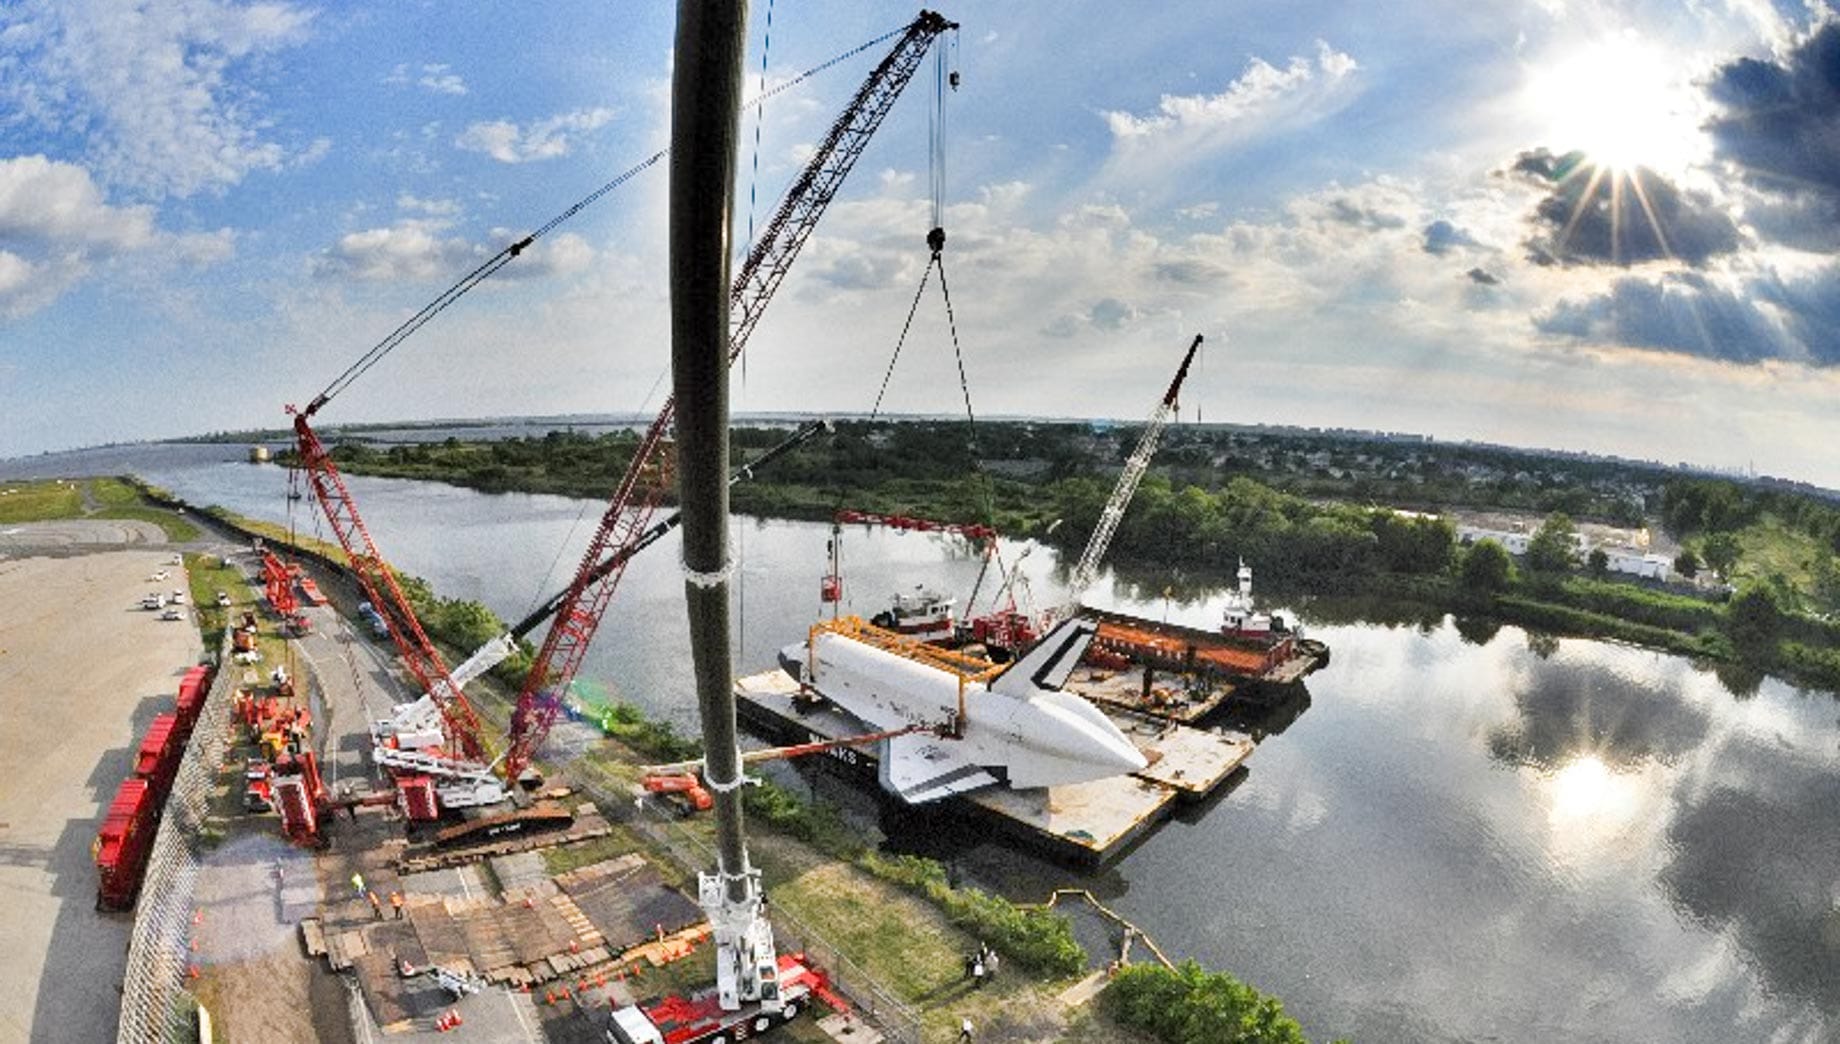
pixel 39 501
pixel 1767 546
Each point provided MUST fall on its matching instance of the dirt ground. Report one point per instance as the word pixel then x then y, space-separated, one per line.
pixel 83 669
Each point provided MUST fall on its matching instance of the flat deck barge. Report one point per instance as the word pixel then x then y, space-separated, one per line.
pixel 1168 646
pixel 1086 823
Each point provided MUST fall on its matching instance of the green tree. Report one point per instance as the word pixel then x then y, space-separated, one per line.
pixel 1754 619
pixel 1552 547
pixel 1721 553
pixel 1487 567
pixel 1687 563
pixel 1598 563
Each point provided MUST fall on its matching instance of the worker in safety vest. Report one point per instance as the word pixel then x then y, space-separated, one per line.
pixel 396 900
pixel 357 883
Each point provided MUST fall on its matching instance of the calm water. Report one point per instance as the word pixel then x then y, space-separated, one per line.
pixel 1492 837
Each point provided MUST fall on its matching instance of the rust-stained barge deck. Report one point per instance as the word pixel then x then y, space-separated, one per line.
pixel 1167 646
pixel 1087 823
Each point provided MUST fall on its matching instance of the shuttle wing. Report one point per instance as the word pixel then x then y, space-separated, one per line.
pixel 919 768
pixel 1048 665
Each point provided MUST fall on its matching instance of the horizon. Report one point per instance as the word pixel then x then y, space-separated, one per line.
pixel 1684 467
pixel 1533 224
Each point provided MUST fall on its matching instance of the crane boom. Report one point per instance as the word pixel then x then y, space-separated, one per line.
pixel 465 737
pixel 629 512
pixel 1134 469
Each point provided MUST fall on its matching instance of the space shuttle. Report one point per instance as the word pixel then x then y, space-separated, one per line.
pixel 1017 727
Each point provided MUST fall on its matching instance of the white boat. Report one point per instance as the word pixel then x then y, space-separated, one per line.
pixel 925 615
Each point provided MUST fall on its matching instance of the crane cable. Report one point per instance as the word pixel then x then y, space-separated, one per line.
pixel 505 256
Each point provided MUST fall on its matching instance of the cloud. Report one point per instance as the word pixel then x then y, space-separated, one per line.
pixel 151 87
pixel 1601 216
pixel 437 78
pixel 1482 278
pixel 506 142
pixel 55 225
pixel 1441 237
pixel 442 208
pixel 1762 318
pixel 1261 97
pixel 418 250
pixel 1779 125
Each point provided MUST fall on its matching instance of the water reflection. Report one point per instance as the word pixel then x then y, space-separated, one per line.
pixel 1756 851
pixel 1581 708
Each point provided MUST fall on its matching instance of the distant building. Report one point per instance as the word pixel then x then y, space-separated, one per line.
pixel 1637 562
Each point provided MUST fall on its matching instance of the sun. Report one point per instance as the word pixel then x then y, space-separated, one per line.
pixel 1620 101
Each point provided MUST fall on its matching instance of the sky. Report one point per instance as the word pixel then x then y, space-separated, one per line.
pixel 1609 227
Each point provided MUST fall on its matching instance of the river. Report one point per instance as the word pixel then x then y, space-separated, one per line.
pixel 1470 834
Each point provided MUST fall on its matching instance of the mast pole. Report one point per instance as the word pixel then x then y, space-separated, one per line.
pixel 705 103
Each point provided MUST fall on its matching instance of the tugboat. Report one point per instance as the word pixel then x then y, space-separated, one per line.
pixel 1239 619
pixel 925 615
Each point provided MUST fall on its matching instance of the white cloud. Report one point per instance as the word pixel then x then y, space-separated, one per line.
pixel 151 86
pixel 54 203
pixel 205 248
pixel 1261 97
pixel 430 207
pixel 55 224
pixel 506 142
pixel 410 249
pixel 436 77
pixel 418 250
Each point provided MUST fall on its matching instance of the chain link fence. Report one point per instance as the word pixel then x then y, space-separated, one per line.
pixel 873 1001
pixel 155 1005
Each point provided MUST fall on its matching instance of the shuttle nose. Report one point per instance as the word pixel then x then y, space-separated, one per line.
pixel 1084 735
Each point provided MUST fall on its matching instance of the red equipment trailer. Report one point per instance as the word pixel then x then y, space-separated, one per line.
pixel 122 846
pixel 158 760
pixel 192 690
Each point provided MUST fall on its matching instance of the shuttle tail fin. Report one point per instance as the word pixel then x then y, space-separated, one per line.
pixel 1050 662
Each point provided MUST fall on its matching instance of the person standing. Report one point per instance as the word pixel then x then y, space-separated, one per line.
pixel 396 900
pixel 964 1031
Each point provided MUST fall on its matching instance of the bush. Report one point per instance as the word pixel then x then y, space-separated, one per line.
pixel 1192 1006
pixel 1486 567
pixel 817 825
pixel 1039 938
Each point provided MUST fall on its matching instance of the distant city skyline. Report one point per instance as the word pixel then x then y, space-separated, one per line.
pixel 1553 225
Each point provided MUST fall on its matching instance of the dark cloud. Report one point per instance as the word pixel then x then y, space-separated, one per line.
pixel 1569 710
pixel 1781 119
pixel 1779 125
pixel 1441 237
pixel 1347 213
pixel 1189 272
pixel 1597 216
pixel 1111 314
pixel 1477 275
pixel 1683 312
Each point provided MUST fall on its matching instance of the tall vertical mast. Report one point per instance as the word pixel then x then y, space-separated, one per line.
pixel 705 101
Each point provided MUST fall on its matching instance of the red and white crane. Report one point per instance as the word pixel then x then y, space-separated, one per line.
pixel 629 513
